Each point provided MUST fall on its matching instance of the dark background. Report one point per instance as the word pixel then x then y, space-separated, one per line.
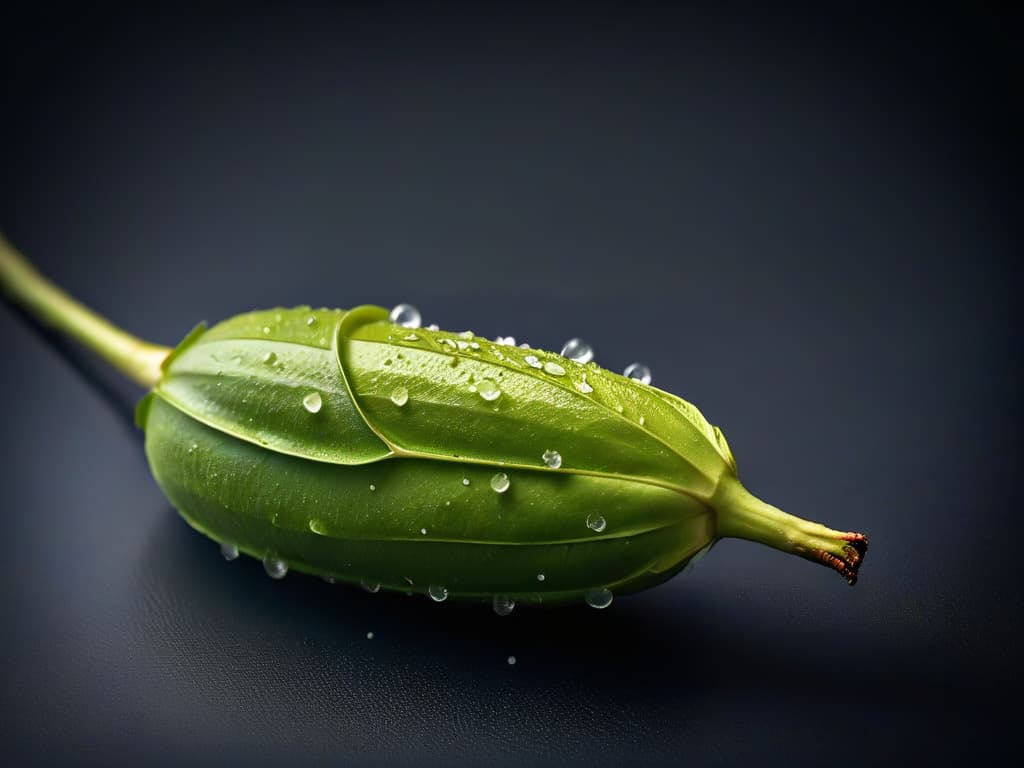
pixel 805 221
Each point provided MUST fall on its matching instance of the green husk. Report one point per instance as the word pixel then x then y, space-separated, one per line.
pixel 337 443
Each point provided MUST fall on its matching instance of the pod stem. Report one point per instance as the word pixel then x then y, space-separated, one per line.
pixel 742 515
pixel 25 286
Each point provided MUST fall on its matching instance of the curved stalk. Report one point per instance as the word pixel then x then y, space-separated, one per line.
pixel 137 359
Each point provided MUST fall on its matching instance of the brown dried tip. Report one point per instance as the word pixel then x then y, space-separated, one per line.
pixel 853 556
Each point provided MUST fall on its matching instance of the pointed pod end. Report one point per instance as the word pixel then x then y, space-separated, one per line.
pixel 847 563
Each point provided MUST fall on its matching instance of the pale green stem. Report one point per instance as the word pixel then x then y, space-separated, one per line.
pixel 742 515
pixel 25 286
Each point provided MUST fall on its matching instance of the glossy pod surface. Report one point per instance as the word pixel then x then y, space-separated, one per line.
pixel 340 444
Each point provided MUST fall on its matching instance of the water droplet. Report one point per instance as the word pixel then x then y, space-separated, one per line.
pixel 437 593
pixel 578 350
pixel 639 372
pixel 311 321
pixel 275 567
pixel 373 587
pixel 423 531
pixel 511 661
pixel 406 315
pixel 488 390
pixel 192 448
pixel 229 551
pixel 596 522
pixel 503 605
pixel 373 487
pixel 554 369
pixel 532 361
pixel 433 327
pixel 598 597
pixel 499 482
pixel 399 396
pixel 312 402
pixel 466 335
pixel 465 481
pixel 583 386
pixel 642 420
pixel 552 459
pixel 369 635
pixel 411 337
pixel 266 329
pixel 317 527
pixel 269 358
pixel 463 345
pixel 506 341
pixel 541 577
pixel 328 578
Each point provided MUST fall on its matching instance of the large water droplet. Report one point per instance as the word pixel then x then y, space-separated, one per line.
pixel 399 396
pixel 532 361
pixel 275 567
pixel 313 402
pixel 406 315
pixel 317 527
pixel 639 372
pixel 503 605
pixel 269 358
pixel 499 482
pixel 598 597
pixel 596 522
pixel 554 369
pixel 229 551
pixel 552 459
pixel 373 587
pixel 506 341
pixel 578 350
pixel 437 593
pixel 488 390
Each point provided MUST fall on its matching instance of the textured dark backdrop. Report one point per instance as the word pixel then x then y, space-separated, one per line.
pixel 806 223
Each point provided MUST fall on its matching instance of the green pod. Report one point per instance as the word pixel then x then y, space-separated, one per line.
pixel 339 444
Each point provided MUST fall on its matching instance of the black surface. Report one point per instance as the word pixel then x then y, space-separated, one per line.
pixel 806 223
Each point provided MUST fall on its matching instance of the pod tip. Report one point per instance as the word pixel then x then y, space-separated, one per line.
pixel 853 552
